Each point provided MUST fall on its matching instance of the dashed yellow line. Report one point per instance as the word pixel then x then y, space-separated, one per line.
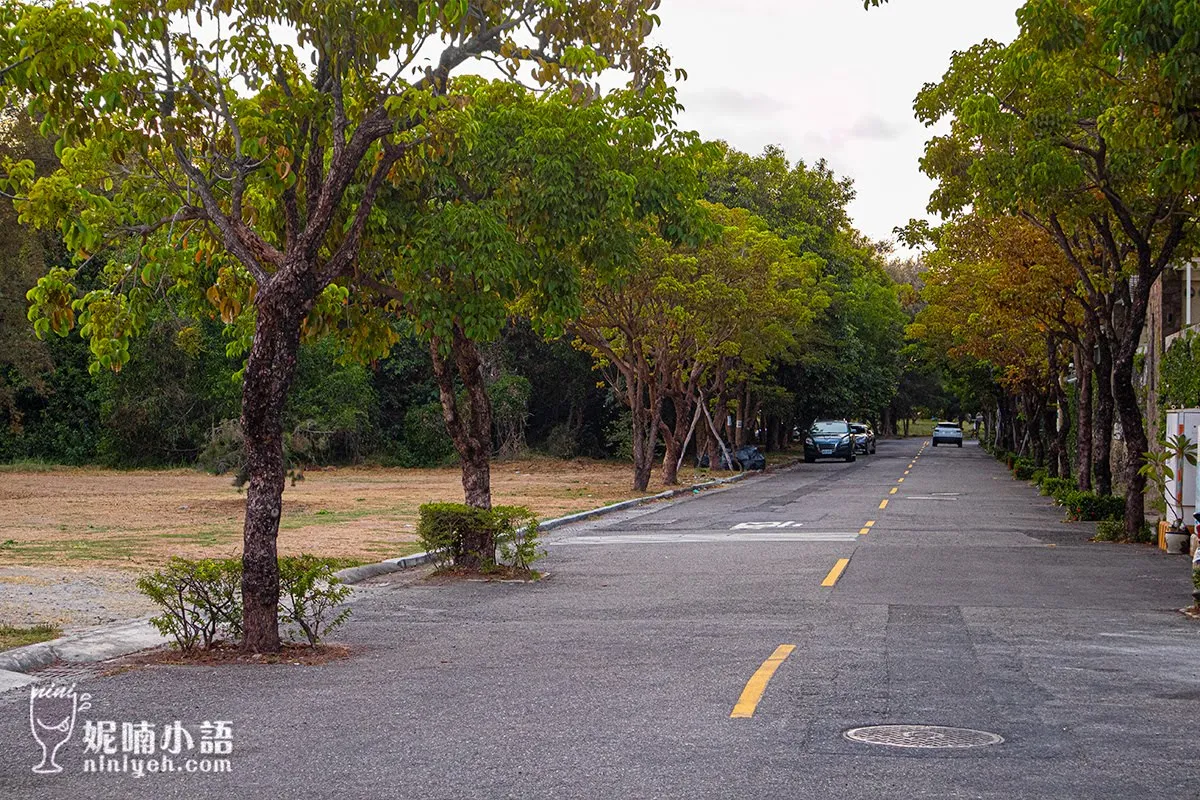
pixel 899 480
pixel 832 578
pixel 863 531
pixel 893 490
pixel 758 683
pixel 883 503
pixel 870 523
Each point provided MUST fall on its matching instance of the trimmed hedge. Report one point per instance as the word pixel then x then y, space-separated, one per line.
pixel 1023 469
pixel 1057 488
pixel 1090 507
pixel 448 531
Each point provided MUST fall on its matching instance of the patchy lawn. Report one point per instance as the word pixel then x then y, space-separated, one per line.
pixel 60 516
pixel 12 636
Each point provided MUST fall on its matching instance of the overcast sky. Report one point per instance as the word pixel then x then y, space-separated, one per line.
pixel 826 79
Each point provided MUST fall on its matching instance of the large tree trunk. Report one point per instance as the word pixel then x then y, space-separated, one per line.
pixel 268 376
pixel 471 431
pixel 645 428
pixel 1102 432
pixel 1083 431
pixel 675 437
pixel 1134 432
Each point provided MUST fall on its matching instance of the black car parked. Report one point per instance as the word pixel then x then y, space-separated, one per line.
pixel 864 438
pixel 829 438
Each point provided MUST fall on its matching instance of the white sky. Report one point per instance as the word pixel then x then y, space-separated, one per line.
pixel 825 78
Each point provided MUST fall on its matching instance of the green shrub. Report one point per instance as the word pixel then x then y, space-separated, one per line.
pixel 1109 530
pixel 201 600
pixel 309 595
pixel 426 443
pixel 509 396
pixel 1038 476
pixel 1023 469
pixel 562 441
pixel 446 531
pixel 1057 487
pixel 1088 506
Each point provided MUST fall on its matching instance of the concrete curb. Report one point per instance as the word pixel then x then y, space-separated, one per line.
pixel 122 638
pixel 98 644
pixel 353 575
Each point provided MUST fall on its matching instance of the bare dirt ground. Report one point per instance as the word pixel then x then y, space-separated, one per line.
pixel 72 540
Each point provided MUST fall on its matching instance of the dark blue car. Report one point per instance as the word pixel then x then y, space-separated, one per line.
pixel 829 438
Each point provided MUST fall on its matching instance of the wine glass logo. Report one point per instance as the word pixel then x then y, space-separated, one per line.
pixel 52 711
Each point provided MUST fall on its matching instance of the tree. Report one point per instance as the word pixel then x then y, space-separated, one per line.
pixel 667 328
pixel 524 192
pixel 848 361
pixel 1073 129
pixel 237 168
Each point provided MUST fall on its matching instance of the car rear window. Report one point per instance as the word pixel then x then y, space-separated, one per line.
pixel 951 425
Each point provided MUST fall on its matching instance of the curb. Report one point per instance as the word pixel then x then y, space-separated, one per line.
pixel 98 644
pixel 353 575
pixel 122 638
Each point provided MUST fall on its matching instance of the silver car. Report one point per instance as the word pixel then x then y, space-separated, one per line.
pixel 947 433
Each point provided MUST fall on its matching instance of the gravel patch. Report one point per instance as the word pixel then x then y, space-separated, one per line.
pixel 72 598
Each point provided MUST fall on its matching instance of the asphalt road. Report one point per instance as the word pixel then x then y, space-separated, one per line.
pixel 967 603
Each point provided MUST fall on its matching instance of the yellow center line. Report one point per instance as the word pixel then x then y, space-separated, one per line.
pixel 894 489
pixel 836 572
pixel 907 471
pixel 870 523
pixel 899 480
pixel 863 531
pixel 883 503
pixel 758 683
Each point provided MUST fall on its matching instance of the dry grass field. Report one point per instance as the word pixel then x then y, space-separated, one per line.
pixel 71 517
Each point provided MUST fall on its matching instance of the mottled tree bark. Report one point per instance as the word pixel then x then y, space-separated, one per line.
pixel 1083 430
pixel 268 376
pixel 1102 431
pixel 471 431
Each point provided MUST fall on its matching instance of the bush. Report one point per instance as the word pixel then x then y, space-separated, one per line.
pixel 426 443
pixel 562 442
pixel 202 602
pixel 1057 487
pixel 309 594
pixel 1038 476
pixel 1089 506
pixel 509 396
pixel 1109 530
pixel 1023 469
pixel 1113 530
pixel 446 531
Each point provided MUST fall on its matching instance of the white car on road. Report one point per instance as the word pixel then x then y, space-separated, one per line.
pixel 947 433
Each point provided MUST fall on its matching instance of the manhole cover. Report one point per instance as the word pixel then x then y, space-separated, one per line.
pixel 925 736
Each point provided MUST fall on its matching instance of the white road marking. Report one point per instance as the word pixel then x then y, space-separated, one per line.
pixel 762 526
pixel 701 538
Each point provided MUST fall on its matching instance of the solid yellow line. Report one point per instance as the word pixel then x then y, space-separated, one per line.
pixel 894 489
pixel 836 572
pixel 883 503
pixel 870 523
pixel 758 683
